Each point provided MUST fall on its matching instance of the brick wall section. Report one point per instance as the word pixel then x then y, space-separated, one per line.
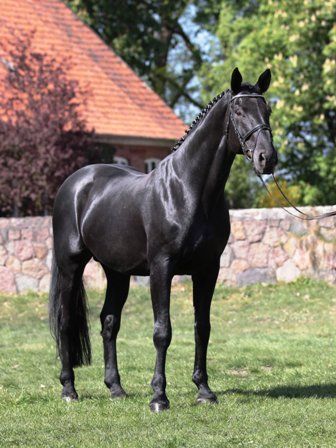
pixel 136 155
pixel 266 245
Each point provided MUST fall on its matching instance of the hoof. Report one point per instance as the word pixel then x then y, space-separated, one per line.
pixel 117 392
pixel 73 396
pixel 159 406
pixel 207 399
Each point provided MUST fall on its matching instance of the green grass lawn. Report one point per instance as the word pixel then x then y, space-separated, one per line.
pixel 272 363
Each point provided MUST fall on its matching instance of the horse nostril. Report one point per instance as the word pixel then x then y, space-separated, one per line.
pixel 262 159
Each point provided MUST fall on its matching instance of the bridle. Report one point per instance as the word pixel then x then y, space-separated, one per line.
pixel 248 153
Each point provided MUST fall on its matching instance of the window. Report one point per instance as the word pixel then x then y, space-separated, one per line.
pixel 120 160
pixel 150 164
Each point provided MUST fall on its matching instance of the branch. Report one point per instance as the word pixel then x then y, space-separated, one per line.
pixel 181 92
pixel 191 47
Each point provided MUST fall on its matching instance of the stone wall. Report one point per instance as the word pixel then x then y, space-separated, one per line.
pixel 26 254
pixel 266 245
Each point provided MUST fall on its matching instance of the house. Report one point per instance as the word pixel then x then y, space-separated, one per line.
pixel 132 123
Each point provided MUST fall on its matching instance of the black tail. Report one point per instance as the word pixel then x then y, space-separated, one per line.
pixel 78 329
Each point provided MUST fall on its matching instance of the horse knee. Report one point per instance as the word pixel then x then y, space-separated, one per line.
pixel 203 329
pixel 111 327
pixel 162 335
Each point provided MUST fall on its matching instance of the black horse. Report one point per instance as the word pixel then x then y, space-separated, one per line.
pixel 173 220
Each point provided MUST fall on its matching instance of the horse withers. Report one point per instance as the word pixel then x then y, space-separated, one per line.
pixel 171 221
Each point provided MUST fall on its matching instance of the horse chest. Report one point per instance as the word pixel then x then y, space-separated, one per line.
pixel 204 243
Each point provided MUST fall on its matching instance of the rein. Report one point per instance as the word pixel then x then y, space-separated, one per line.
pixel 304 216
pixel 248 153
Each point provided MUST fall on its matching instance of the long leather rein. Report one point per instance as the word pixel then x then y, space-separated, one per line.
pixel 248 153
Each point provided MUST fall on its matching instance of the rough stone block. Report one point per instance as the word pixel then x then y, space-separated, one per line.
pixel 237 230
pixel 94 276
pixel 34 268
pixel 226 275
pixel 288 272
pixel 3 223
pixel 23 250
pixel 26 283
pixel 303 259
pixel 274 223
pixel 255 275
pixel 291 245
pixel 49 259
pixel 240 249
pixel 272 236
pixel 14 234
pixel 328 234
pixel 258 255
pixel 227 257
pixel 27 234
pixel 3 255
pixel 277 256
pixel 42 234
pixel 254 230
pixel 13 264
pixel 7 281
pixel 285 224
pixel 239 266
pixel 140 280
pixel 328 222
pixel 44 284
pixel 298 228
pixel 40 250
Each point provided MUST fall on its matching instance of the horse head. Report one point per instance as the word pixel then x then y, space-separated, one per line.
pixel 248 122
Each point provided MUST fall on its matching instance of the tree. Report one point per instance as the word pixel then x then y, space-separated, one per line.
pixel 43 137
pixel 158 39
pixel 297 40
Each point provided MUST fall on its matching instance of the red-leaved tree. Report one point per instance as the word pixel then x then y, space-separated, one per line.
pixel 43 136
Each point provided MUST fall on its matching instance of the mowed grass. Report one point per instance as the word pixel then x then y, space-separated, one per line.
pixel 272 363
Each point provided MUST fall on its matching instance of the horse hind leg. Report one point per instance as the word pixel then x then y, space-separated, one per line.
pixel 67 311
pixel 116 295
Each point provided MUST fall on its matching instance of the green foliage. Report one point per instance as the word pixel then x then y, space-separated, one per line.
pixel 297 40
pixel 293 192
pixel 271 361
pixel 241 188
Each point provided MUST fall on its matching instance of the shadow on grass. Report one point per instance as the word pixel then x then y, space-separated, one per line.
pixel 314 391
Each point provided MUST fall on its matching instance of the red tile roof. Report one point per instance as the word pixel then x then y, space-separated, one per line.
pixel 120 104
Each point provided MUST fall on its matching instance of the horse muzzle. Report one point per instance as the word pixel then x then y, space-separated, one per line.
pixel 265 160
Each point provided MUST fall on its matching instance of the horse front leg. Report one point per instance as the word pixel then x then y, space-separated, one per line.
pixel 203 289
pixel 160 284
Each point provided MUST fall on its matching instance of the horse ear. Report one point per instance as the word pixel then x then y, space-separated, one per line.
pixel 264 81
pixel 236 80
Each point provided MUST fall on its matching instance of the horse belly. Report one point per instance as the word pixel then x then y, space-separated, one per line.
pixel 118 242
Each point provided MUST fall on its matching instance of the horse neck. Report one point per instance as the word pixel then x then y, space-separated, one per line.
pixel 203 161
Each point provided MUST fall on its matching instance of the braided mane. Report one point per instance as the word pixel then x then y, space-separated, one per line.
pixel 199 117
